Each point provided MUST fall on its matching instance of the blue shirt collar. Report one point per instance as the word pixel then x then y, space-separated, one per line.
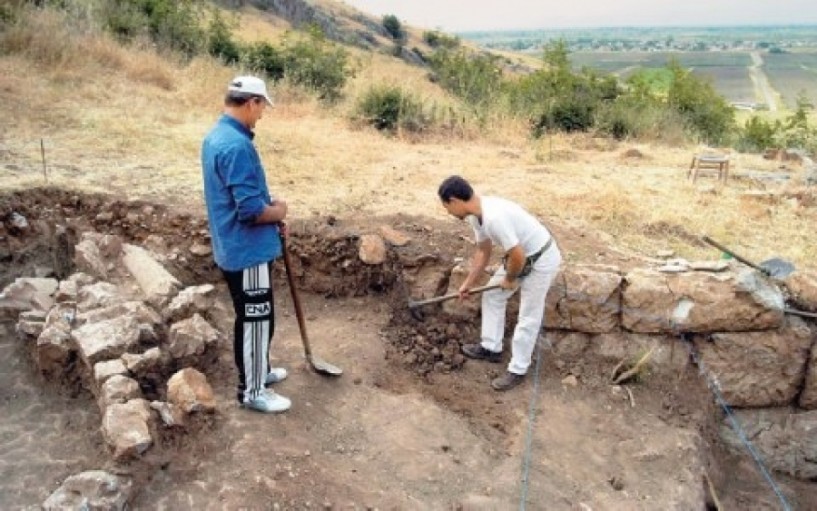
pixel 232 121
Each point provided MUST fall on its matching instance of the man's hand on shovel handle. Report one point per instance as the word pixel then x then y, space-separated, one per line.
pixel 509 284
pixel 464 291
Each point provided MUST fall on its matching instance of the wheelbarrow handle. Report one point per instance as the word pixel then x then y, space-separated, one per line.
pixel 736 256
pixel 451 296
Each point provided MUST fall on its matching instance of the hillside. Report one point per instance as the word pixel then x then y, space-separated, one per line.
pixel 128 120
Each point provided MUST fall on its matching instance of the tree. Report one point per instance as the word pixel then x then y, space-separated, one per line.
pixel 394 28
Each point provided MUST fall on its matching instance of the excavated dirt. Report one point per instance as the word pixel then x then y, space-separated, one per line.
pixel 410 425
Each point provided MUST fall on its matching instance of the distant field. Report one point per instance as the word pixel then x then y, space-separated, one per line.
pixel 789 73
pixel 793 73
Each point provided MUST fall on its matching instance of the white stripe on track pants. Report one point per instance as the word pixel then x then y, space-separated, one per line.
pixel 251 292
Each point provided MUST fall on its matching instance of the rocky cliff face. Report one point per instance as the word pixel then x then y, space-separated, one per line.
pixel 302 13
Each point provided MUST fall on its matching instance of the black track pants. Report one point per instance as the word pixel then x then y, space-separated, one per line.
pixel 251 291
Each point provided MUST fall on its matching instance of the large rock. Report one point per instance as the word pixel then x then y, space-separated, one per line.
pixel 26 294
pixel 808 398
pixel 143 313
pixel 786 441
pixel 191 338
pixel 142 364
pixel 655 302
pixel 54 350
pixel 118 389
pixel 107 369
pixel 188 389
pixel 94 490
pixel 98 295
pixel 126 429
pixel 191 300
pixel 372 249
pixel 88 259
pixel 156 282
pixel 584 299
pixel 802 287
pixel 106 339
pixel 394 237
pixel 758 369
pixel 67 292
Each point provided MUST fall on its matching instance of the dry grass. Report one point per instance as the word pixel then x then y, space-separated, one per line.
pixel 126 121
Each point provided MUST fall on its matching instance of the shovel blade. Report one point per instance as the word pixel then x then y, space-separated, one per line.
pixel 777 268
pixel 324 367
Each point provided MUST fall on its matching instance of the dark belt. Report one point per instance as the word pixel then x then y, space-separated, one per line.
pixel 531 259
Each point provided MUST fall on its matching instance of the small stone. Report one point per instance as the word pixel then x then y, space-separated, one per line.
pixel 200 250
pixel 665 254
pixel 570 381
pixel 616 483
pixel 393 236
pixel 19 221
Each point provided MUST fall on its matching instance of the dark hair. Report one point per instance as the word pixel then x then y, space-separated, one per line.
pixel 455 187
pixel 235 98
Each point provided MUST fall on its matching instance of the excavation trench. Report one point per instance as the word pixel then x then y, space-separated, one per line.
pixel 653 443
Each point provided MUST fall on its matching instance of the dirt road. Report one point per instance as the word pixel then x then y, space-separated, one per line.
pixel 761 81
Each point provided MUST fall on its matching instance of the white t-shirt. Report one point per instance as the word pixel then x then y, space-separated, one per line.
pixel 506 224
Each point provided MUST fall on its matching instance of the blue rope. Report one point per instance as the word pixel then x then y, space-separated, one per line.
pixel 715 388
pixel 531 420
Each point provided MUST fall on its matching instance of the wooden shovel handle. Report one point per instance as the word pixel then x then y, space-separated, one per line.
pixel 444 298
pixel 299 313
pixel 739 258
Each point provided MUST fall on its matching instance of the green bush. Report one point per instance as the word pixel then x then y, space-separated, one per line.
pixel 758 134
pixel 389 108
pixel 798 133
pixel 707 114
pixel 477 79
pixel 393 27
pixel 264 57
pixel 220 42
pixel 317 65
pixel 175 24
pixel 437 39
pixel 9 11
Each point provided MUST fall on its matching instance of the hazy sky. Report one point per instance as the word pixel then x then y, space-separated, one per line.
pixel 459 15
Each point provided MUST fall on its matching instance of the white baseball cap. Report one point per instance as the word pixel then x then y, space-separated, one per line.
pixel 250 85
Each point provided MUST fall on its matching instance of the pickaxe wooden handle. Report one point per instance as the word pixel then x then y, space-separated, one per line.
pixel 445 298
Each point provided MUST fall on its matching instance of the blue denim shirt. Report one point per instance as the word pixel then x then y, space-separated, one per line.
pixel 235 190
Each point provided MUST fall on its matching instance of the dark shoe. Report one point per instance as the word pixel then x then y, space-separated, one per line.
pixel 507 381
pixel 478 352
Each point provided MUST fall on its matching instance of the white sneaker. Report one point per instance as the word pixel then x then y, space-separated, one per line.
pixel 276 375
pixel 268 402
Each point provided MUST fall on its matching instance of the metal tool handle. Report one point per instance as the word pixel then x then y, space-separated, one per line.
pixel 796 312
pixel 445 298
pixel 739 258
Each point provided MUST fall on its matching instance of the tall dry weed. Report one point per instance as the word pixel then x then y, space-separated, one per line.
pixel 42 36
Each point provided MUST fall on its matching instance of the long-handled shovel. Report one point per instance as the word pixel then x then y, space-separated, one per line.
pixel 320 366
pixel 414 305
pixel 776 267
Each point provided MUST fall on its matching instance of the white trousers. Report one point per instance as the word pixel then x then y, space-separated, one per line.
pixel 533 289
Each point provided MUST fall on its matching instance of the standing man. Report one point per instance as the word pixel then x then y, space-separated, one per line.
pixel 531 261
pixel 244 226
